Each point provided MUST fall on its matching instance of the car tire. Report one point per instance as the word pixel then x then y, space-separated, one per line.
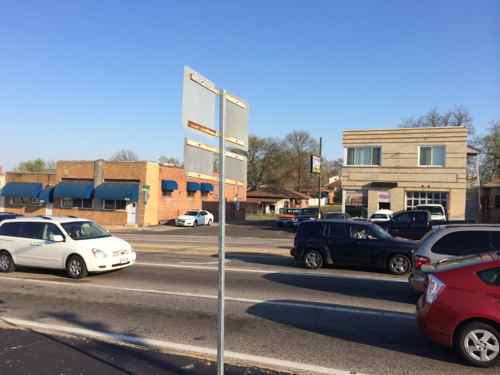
pixel 76 267
pixel 470 343
pixel 195 224
pixel 313 259
pixel 6 262
pixel 399 264
pixel 209 222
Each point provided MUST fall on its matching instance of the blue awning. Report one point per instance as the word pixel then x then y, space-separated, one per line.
pixel 169 185
pixel 74 189
pixel 21 189
pixel 47 195
pixel 206 188
pixel 193 187
pixel 119 191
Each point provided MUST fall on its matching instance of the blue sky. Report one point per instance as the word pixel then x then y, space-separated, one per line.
pixel 81 80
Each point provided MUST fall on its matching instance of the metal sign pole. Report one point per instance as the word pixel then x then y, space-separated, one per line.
pixel 222 230
pixel 319 179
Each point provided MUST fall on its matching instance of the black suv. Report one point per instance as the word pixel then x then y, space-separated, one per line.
pixel 349 242
pixel 8 215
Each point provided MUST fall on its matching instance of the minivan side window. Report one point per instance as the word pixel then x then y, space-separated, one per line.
pixel 10 229
pixel 491 276
pixel 32 230
pixel 50 231
pixel 465 242
pixel 337 230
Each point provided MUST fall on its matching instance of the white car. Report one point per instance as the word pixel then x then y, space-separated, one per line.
pixel 77 245
pixel 438 213
pixel 195 218
pixel 381 216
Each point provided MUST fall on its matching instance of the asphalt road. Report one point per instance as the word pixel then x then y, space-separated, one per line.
pixel 343 319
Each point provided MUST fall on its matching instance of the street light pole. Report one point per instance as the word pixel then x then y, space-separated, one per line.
pixel 222 230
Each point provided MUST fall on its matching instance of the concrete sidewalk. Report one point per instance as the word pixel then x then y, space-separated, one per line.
pixel 24 352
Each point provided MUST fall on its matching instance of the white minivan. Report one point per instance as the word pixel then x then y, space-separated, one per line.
pixel 77 245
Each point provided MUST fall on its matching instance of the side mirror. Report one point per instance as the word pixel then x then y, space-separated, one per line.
pixel 58 238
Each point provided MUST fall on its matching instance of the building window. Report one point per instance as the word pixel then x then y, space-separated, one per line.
pixel 191 194
pixel 22 201
pixel 369 155
pixel 417 198
pixel 432 156
pixel 76 203
pixel 114 204
pixel 166 193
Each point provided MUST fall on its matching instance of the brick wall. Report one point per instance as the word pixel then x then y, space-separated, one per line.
pixel 100 217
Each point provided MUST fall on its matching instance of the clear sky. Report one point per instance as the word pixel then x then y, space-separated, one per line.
pixel 83 79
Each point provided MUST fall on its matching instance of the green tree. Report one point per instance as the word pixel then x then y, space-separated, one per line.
pixel 489 158
pixel 169 160
pixel 36 165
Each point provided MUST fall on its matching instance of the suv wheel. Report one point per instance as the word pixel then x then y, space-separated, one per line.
pixel 479 344
pixel 6 262
pixel 75 267
pixel 399 264
pixel 313 259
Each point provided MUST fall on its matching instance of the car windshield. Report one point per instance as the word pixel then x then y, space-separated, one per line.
pixel 191 213
pixel 380 233
pixel 379 216
pixel 85 230
pixel 435 210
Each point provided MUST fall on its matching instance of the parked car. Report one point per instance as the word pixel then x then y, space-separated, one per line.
pixel 194 218
pixel 77 245
pixel 461 307
pixel 381 216
pixel 336 216
pixel 449 242
pixel 300 219
pixel 438 213
pixel 287 216
pixel 8 215
pixel 410 224
pixel 325 242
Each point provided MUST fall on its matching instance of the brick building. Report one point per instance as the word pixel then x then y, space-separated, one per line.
pixel 112 193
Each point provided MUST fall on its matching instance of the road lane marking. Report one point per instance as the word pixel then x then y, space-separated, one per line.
pixel 238 358
pixel 183 265
pixel 296 304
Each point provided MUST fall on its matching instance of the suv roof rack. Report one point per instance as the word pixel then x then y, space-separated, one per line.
pixel 45 217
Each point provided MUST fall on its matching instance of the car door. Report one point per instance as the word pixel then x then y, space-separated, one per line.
pixel 52 253
pixel 339 242
pixel 203 218
pixel 12 240
pixel 32 236
pixel 399 225
pixel 366 245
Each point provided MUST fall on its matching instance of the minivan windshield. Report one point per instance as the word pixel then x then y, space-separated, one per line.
pixel 191 213
pixel 85 230
pixel 380 233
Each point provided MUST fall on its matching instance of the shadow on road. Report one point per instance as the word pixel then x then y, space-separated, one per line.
pixel 263 259
pixel 396 331
pixel 394 291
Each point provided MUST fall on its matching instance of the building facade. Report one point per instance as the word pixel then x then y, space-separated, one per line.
pixel 138 193
pixel 400 168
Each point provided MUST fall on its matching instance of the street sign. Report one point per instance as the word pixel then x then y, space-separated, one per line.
pixel 198 102
pixel 145 187
pixel 198 115
pixel 315 164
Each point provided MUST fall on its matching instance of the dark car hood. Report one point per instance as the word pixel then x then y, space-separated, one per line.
pixel 402 243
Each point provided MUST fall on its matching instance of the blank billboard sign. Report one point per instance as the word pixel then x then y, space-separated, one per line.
pixel 236 122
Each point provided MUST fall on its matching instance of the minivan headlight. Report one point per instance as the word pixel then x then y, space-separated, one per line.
pixel 99 254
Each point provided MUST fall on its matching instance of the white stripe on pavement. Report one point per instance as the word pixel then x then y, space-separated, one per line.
pixel 234 357
pixel 296 304
pixel 200 266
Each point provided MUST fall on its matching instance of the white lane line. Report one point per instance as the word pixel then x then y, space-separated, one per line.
pixel 201 266
pixel 297 304
pixel 235 357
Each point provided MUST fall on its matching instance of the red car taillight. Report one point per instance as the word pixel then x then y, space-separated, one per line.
pixel 434 288
pixel 420 261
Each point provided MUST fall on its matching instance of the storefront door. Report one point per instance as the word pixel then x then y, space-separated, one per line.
pixel 132 213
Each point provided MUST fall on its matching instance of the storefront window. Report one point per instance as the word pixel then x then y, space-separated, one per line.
pixel 416 198
pixel 114 204
pixel 356 203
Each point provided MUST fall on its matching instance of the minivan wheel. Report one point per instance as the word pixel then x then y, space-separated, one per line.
pixel 6 262
pixel 313 259
pixel 399 264
pixel 75 267
pixel 479 344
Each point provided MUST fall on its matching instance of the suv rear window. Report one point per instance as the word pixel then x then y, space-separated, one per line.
pixel 310 229
pixel 465 242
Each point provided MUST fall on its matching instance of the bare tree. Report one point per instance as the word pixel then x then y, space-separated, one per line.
pixel 124 155
pixel 169 160
pixel 300 145
pixel 459 116
pixel 489 146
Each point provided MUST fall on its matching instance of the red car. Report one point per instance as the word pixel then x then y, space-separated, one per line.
pixel 461 307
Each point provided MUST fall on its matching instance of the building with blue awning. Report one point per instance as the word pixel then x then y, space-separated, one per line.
pixel 113 193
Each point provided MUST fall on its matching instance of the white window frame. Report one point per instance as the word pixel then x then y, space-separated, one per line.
pixel 432 161
pixel 423 196
pixel 362 165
